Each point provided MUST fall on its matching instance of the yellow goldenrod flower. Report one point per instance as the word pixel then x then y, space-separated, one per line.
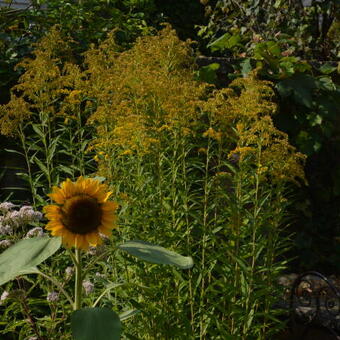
pixel 126 152
pixel 202 150
pixel 82 212
pixel 213 134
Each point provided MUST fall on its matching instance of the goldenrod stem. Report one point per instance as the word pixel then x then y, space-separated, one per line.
pixel 78 281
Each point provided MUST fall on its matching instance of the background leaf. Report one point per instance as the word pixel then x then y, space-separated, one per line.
pixel 208 73
pixel 156 254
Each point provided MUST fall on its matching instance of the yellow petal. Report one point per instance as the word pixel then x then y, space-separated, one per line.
pixel 105 231
pixel 91 188
pixel 51 208
pixel 68 239
pixel 57 196
pixel 92 239
pixel 54 227
pixel 68 188
pixel 109 206
pixel 108 219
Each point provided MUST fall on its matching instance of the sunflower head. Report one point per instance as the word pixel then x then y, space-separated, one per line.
pixel 82 212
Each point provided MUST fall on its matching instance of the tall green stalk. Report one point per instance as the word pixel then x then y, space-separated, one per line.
pixel 28 163
pixel 78 280
pixel 206 191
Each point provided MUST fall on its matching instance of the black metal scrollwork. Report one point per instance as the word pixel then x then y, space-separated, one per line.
pixel 315 300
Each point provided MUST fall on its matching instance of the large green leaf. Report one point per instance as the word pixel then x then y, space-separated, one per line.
pixel 95 324
pixel 25 255
pixel 301 86
pixel 156 254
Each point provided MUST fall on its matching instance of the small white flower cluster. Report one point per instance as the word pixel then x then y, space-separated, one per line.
pixel 88 286
pixel 69 272
pixel 52 297
pixel 4 296
pixel 37 231
pixel 15 218
pixel 6 229
pixel 6 206
pixel 5 243
pixel 11 219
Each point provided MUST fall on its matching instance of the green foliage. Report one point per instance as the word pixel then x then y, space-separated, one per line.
pixel 194 168
pixel 308 28
pixel 205 174
pixel 226 41
pixel 50 118
pixel 83 21
pixel 296 47
pixel 283 54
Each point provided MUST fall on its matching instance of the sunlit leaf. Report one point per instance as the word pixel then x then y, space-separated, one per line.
pixel 25 255
pixel 156 254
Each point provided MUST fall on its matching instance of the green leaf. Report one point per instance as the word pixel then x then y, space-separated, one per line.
pixel 233 41
pixel 287 67
pixel 156 254
pixel 224 42
pixel 278 4
pixel 95 324
pixel 326 83
pixel 266 50
pixel 41 165
pixel 66 169
pixel 246 67
pixel 25 255
pixel 314 119
pixel 208 73
pixel 15 151
pixel 219 44
pixel 128 314
pixel 38 131
pixel 301 86
pixel 101 179
pixel 327 68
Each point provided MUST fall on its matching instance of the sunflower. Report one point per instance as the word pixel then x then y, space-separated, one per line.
pixel 82 212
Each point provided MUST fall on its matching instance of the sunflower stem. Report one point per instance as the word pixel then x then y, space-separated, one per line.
pixel 78 281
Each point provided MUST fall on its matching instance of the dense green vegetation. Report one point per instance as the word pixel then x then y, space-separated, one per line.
pixel 234 163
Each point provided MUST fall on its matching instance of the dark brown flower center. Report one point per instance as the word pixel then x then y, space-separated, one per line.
pixel 81 214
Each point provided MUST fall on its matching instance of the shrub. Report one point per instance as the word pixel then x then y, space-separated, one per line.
pixel 201 168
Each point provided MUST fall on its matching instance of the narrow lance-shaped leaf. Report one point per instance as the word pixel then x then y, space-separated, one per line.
pixel 156 254
pixel 25 255
pixel 128 314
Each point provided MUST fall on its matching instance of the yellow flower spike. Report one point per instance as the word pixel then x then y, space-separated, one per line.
pixel 82 212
